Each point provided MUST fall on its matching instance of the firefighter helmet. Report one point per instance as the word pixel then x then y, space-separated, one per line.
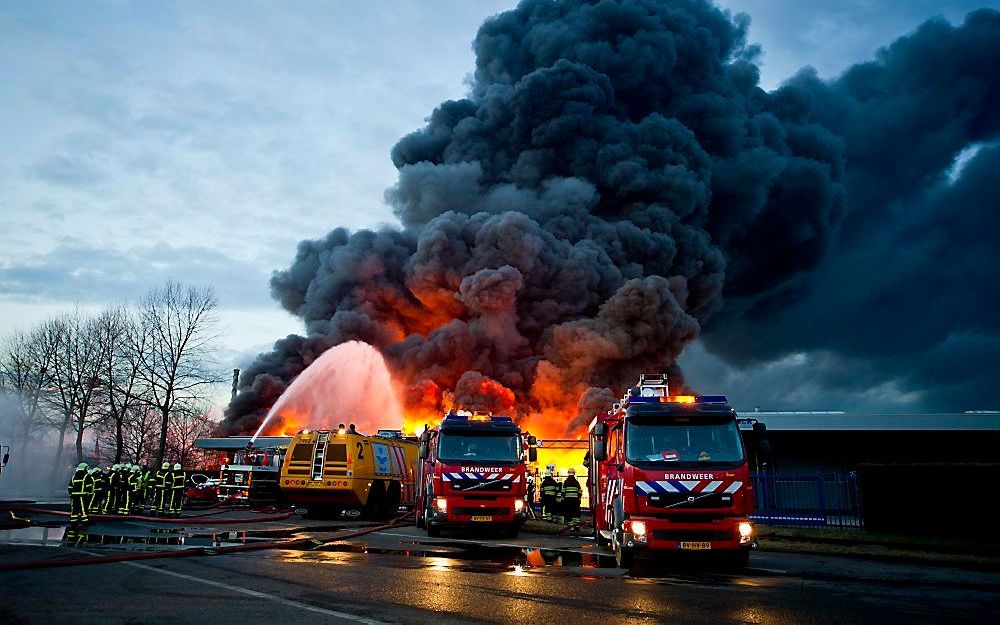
pixel 82 466
pixel 177 466
pixel 571 471
pixel 165 465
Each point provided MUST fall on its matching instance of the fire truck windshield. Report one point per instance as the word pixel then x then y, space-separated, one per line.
pixel 463 447
pixel 683 443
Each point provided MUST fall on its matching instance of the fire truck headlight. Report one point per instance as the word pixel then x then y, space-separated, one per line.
pixel 746 531
pixel 518 505
pixel 442 505
pixel 639 528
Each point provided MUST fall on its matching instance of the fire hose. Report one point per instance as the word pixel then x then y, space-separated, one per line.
pixel 198 551
pixel 189 520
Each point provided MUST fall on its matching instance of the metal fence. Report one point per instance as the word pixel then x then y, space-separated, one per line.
pixel 807 499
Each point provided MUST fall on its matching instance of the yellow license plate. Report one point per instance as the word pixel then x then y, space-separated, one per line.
pixel 697 546
pixel 482 518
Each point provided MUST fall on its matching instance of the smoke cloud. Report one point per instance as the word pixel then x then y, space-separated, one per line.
pixel 616 184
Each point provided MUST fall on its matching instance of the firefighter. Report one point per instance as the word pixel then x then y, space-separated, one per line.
pixel 177 480
pixel 571 498
pixel 147 481
pixel 557 511
pixel 352 429
pixel 160 488
pixel 99 487
pixel 124 490
pixel 549 488
pixel 77 487
pixel 111 498
pixel 135 489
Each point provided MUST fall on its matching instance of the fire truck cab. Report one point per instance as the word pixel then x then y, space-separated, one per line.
pixel 670 473
pixel 252 476
pixel 472 474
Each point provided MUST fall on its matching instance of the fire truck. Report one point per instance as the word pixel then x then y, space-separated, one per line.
pixel 472 474
pixel 670 473
pixel 252 476
pixel 337 471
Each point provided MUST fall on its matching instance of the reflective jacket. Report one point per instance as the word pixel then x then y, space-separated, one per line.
pixel 78 484
pixel 160 479
pixel 571 488
pixel 550 488
pixel 177 479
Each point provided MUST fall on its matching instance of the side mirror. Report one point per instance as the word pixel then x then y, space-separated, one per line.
pixel 532 440
pixel 759 428
pixel 532 454
pixel 600 429
pixel 764 452
pixel 600 452
pixel 423 451
pixel 6 457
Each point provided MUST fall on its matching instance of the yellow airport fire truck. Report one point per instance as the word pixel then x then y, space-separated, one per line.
pixel 335 471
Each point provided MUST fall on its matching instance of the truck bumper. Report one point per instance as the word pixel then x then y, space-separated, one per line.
pixel 471 512
pixel 661 534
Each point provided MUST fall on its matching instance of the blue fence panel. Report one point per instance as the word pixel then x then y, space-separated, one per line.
pixel 807 499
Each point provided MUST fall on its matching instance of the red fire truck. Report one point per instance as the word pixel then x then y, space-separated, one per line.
pixel 670 473
pixel 472 474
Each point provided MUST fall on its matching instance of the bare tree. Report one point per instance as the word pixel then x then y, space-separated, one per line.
pixel 26 361
pixel 185 428
pixel 76 379
pixel 179 328
pixel 123 342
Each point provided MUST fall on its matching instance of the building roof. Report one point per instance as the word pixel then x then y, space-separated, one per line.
pixel 866 421
pixel 234 443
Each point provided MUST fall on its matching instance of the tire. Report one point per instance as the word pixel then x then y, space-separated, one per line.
pixel 392 499
pixel 624 557
pixel 433 531
pixel 738 560
pixel 375 504
pixel 600 539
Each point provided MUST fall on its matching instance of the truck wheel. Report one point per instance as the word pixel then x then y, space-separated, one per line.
pixel 738 560
pixel 623 555
pixel 600 539
pixel 375 504
pixel 392 500
pixel 433 531
pixel 420 516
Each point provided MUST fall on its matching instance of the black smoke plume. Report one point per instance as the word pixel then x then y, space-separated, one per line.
pixel 617 183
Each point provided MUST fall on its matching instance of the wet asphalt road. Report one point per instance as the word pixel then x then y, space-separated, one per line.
pixel 399 576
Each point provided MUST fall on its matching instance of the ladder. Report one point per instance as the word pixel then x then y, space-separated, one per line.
pixel 318 455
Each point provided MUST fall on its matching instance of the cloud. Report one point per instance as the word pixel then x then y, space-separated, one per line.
pixel 77 271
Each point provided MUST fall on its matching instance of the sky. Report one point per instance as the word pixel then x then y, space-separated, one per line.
pixel 201 141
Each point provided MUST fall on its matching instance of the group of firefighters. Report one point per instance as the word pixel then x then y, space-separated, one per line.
pixel 125 489
pixel 560 502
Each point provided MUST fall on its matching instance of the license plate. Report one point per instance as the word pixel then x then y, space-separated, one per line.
pixel 482 518
pixel 698 546
pixel 238 478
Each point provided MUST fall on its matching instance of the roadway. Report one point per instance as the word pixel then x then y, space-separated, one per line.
pixel 399 576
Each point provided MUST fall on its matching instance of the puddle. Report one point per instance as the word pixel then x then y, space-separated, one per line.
pixel 37 536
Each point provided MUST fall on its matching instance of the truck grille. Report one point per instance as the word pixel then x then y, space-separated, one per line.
pixel 481 485
pixel 478 511
pixel 694 535
pixel 680 500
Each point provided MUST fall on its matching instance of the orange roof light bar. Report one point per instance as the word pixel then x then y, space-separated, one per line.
pixel 678 399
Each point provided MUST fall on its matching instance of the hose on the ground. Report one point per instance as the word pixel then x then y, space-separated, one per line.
pixel 198 551
pixel 188 520
pixel 129 557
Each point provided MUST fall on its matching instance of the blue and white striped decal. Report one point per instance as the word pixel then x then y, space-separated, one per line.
pixel 687 486
pixel 491 477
